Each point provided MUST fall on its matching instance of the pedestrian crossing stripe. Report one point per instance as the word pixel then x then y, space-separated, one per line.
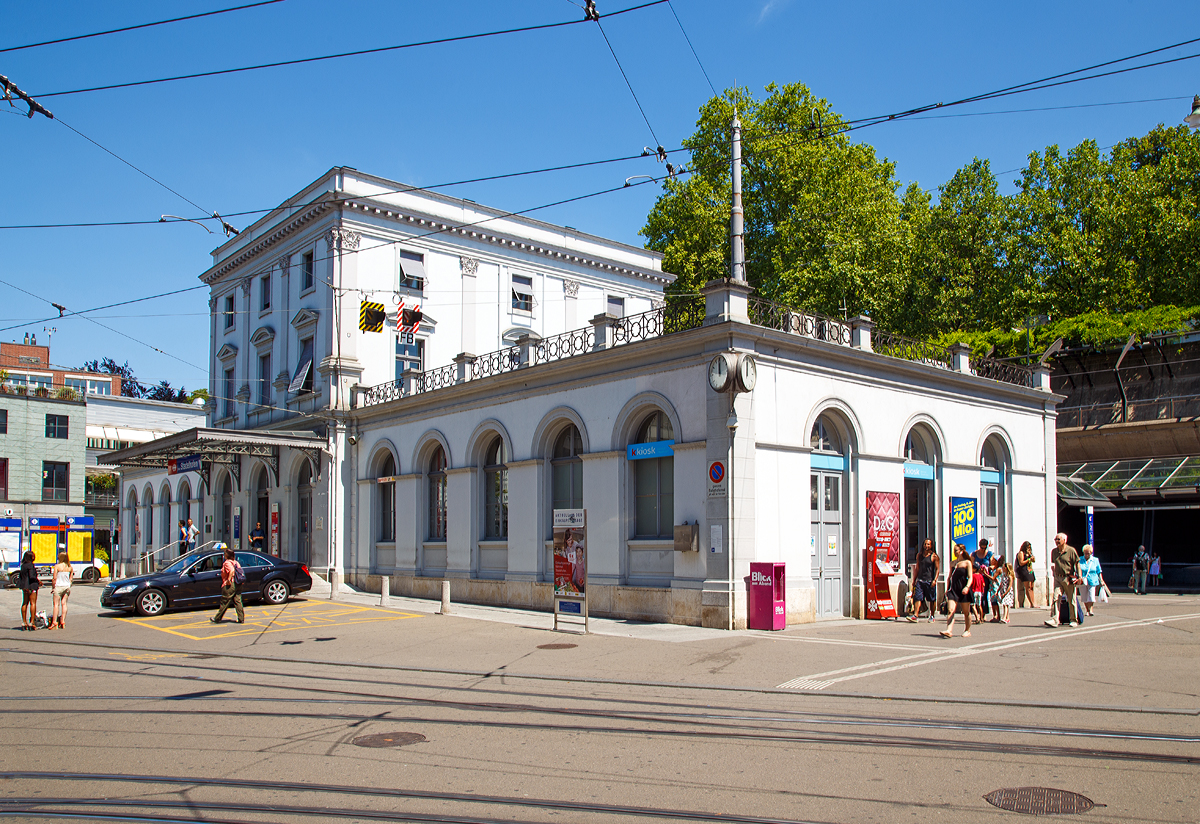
pixel 371 316
pixel 804 684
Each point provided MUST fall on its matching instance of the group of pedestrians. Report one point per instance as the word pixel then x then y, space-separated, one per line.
pixel 187 536
pixel 979 584
pixel 1147 569
pixel 27 581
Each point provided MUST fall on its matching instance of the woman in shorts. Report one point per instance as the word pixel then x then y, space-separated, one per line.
pixel 924 588
pixel 27 580
pixel 958 591
pixel 62 590
pixel 1025 575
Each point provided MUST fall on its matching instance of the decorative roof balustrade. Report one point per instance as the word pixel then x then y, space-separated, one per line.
pixel 793 321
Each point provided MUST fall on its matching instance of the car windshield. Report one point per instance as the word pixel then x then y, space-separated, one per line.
pixel 183 562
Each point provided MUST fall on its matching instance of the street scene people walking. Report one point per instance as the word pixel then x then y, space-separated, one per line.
pixel 29 585
pixel 183 541
pixel 62 590
pixel 958 592
pixel 1093 579
pixel 1006 592
pixel 192 532
pixel 924 583
pixel 1064 561
pixel 232 578
pixel 257 537
pixel 1025 575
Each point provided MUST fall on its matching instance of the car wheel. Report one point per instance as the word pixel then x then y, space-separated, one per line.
pixel 276 592
pixel 12 579
pixel 151 602
pixel 90 575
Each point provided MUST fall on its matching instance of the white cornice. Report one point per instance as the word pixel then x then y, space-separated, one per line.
pixel 262 244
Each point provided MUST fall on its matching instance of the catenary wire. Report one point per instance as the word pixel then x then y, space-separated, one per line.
pixel 621 68
pixel 671 6
pixel 138 26
pixel 357 53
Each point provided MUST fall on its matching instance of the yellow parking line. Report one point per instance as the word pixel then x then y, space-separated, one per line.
pixel 264 619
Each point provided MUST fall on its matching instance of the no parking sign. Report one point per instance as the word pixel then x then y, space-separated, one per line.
pixel 716 479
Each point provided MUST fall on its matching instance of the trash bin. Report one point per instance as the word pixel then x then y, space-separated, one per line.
pixel 765 600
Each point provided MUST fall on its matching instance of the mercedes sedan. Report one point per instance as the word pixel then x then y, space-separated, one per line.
pixel 194 580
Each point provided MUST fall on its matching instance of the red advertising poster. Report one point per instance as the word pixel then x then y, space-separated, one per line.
pixel 883 552
pixel 570 563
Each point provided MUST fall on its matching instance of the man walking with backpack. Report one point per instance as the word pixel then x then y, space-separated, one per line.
pixel 232 578
pixel 1141 566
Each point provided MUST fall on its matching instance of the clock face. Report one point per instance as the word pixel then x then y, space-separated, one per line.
pixel 747 373
pixel 718 373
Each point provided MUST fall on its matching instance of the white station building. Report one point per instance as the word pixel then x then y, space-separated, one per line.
pixel 403 454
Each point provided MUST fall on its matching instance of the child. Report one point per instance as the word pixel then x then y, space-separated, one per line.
pixel 978 587
pixel 993 593
pixel 1005 582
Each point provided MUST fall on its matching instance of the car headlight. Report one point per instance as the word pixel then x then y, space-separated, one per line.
pixel 125 589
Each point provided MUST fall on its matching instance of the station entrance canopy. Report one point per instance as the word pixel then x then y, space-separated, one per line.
pixel 1137 479
pixel 219 447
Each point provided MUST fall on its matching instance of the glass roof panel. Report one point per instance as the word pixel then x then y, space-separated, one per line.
pixel 1121 474
pixel 1155 473
pixel 1188 474
pixel 1067 470
pixel 1091 471
pixel 1069 488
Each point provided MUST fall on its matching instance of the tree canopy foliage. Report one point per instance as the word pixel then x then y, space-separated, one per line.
pixel 131 388
pixel 1090 246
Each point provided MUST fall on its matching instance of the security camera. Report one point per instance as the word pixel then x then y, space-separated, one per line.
pixel 352 439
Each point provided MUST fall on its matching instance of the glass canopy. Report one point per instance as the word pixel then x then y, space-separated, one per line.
pixel 1141 475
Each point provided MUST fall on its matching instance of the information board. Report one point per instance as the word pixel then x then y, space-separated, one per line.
pixel 570 564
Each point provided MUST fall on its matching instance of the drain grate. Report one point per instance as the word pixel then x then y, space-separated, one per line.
pixel 388 739
pixel 1039 801
pixel 557 646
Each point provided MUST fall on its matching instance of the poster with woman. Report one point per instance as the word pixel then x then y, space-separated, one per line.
pixel 570 561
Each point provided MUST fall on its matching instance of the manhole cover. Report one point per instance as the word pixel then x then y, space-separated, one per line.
pixel 388 739
pixel 1022 655
pixel 1039 801
pixel 557 646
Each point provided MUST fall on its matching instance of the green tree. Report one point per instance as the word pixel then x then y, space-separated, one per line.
pixel 824 226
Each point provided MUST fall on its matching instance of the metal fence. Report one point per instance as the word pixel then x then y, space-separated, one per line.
pixel 1172 407
pixel 806 324
pixel 909 349
pixel 1004 371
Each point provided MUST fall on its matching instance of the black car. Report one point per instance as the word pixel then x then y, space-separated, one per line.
pixel 194 580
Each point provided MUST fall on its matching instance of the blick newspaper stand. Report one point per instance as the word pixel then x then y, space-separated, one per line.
pixel 767 607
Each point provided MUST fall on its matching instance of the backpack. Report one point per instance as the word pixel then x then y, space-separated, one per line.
pixel 1140 562
pixel 239 574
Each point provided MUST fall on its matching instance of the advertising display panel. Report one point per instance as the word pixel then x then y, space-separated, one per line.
pixel 570 564
pixel 11 530
pixel 275 529
pixel 963 530
pixel 882 559
pixel 43 540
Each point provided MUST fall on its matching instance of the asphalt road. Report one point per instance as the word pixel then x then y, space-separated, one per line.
pixel 487 715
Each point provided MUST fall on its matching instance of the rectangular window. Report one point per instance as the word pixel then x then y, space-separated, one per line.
pixel 41 381
pixel 99 387
pixel 302 380
pixel 306 271
pixel 264 293
pixel 230 391
pixel 56 426
pixel 3 479
pixel 616 306
pixel 410 353
pixel 387 512
pixel 3 421
pixel 229 311
pixel 522 293
pixel 412 270
pixel 78 385
pixel 264 379
pixel 55 478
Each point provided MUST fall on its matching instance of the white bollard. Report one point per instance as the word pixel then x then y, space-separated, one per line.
pixel 385 591
pixel 445 610
pixel 334 579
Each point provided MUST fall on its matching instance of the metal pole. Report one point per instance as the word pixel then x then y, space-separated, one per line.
pixel 737 252
pixel 731 422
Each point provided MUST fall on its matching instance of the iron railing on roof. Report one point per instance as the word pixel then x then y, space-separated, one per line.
pixel 674 316
pixel 771 315
pixel 1140 410
pixel 910 349
pixel 1004 371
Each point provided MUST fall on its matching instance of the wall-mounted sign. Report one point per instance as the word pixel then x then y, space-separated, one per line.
pixel 658 449
pixel 191 463
pixel 275 529
pixel 918 471
pixel 962 522
pixel 716 479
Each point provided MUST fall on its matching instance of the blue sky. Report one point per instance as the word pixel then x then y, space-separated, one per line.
pixel 502 104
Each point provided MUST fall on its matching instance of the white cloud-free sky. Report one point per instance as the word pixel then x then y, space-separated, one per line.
pixel 448 112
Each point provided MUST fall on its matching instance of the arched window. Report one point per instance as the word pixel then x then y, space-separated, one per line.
pixel 150 517
pixel 262 504
pixel 824 438
pixel 387 501
pixel 566 470
pixel 185 501
pixel 495 490
pixel 988 457
pixel 169 533
pixel 914 448
pixel 437 495
pixel 133 536
pixel 654 483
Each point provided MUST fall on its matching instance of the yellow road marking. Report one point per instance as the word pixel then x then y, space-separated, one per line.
pixel 262 619
pixel 148 656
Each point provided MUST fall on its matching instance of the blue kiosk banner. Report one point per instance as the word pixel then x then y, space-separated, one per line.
pixel 962 522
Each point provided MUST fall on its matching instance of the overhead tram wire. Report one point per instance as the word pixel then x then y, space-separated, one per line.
pixel 671 6
pixel 98 308
pixel 138 26
pixel 338 56
pixel 621 68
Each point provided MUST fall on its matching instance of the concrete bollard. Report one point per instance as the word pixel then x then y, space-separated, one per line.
pixel 385 591
pixel 445 610
pixel 334 579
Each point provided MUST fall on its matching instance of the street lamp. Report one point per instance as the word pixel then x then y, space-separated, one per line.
pixel 1193 119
